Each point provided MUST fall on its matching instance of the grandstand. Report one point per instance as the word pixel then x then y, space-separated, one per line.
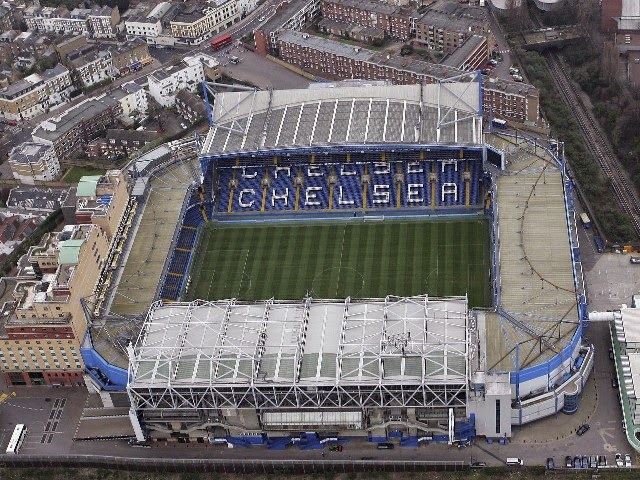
pixel 416 366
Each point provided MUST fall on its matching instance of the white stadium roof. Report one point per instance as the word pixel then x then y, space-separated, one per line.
pixel 446 113
pixel 410 340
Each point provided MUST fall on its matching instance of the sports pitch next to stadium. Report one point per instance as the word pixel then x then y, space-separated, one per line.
pixel 348 259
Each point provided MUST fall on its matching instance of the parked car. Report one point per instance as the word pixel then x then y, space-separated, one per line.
pixel 627 460
pixel 385 446
pixel 611 354
pixel 593 461
pixel 614 382
pixel 335 447
pixel 493 62
pixel 619 461
pixel 576 462
pixel 478 465
pixel 602 461
pixel 585 461
pixel 568 461
pixel 582 429
pixel 550 464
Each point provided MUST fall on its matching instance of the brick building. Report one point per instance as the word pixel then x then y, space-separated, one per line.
pixel 130 56
pixel 336 60
pixel 442 32
pixel 190 106
pixel 469 56
pixel 394 21
pixel 80 124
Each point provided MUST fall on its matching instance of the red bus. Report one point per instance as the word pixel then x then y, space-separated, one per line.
pixel 221 42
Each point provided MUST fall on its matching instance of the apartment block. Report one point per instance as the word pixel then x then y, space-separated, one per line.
pixel 394 21
pixel 92 68
pixel 335 60
pixel 293 15
pixel 102 21
pixel 31 162
pixel 80 124
pixel 190 106
pixel 42 330
pixel 470 56
pixel 35 94
pixel 164 84
pixel 443 32
pixel 197 22
pixel 134 99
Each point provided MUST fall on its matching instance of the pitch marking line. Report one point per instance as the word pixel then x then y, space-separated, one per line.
pixel 344 230
pixel 244 267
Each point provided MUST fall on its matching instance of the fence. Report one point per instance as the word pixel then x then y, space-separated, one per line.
pixel 227 466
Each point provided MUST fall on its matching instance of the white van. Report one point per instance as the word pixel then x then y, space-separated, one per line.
pixel 515 462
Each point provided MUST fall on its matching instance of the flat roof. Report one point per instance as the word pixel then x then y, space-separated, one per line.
pixel 396 339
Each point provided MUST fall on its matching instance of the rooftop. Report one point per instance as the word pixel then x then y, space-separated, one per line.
pixel 311 342
pixel 53 128
pixel 28 152
pixel 34 198
pixel 459 56
pixel 368 114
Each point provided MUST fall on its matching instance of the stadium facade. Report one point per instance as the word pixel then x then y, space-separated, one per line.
pixel 419 367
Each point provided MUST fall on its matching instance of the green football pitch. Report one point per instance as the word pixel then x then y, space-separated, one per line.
pixel 339 260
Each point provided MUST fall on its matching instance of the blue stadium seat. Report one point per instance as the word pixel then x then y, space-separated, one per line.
pixel 347 193
pixel 315 176
pixel 282 192
pixel 417 174
pixel 381 174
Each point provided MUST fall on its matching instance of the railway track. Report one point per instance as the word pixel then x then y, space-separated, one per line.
pixel 623 190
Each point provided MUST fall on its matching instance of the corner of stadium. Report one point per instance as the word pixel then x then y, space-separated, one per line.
pixel 407 362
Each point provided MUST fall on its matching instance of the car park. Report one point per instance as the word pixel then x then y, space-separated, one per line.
pixel 550 464
pixel 568 461
pixel 627 460
pixel 582 429
pixel 619 461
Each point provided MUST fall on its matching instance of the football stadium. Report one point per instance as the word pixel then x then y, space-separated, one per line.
pixel 349 259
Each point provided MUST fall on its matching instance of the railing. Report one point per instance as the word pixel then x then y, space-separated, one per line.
pixel 228 466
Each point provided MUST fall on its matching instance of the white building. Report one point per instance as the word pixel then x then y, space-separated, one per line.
pixel 135 99
pixel 31 162
pixel 246 6
pixel 95 67
pixel 147 26
pixel 165 83
pixel 196 23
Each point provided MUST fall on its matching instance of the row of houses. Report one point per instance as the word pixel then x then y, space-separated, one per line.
pixel 97 22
